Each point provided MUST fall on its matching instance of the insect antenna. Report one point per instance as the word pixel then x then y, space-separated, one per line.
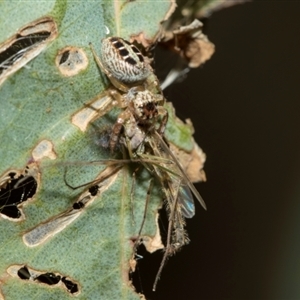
pixel 115 167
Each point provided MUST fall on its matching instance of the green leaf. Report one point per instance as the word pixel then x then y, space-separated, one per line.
pixel 37 103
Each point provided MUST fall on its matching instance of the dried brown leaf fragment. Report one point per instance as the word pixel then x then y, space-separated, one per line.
pixel 190 43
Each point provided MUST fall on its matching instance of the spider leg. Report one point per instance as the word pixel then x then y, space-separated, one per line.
pixel 97 107
pixel 117 127
pixel 164 119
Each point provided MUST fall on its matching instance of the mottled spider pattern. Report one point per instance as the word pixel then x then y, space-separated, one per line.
pixel 136 90
pixel 124 61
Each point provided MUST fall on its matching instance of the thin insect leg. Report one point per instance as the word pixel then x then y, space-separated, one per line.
pixel 128 146
pixel 166 255
pixel 145 213
pixel 165 116
pixel 18 185
pixel 188 182
pixel 96 181
pixel 5 196
pixel 132 194
pixel 179 237
pixel 132 197
pixel 173 203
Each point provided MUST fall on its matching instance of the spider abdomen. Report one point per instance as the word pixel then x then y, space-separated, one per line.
pixel 124 60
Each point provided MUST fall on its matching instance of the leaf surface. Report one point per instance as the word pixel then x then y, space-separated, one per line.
pixel 37 103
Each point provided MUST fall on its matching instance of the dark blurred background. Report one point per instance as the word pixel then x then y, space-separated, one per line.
pixel 245 107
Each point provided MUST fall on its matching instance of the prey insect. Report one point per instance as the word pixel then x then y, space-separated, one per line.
pixel 140 129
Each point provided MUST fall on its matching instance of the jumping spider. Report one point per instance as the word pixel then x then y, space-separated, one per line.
pixel 138 92
pixel 143 121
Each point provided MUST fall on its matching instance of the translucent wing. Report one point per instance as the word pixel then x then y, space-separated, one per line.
pixel 185 199
pixel 161 149
pixel 179 190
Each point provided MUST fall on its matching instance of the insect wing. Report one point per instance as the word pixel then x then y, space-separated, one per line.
pixel 166 152
pixel 182 192
pixel 185 198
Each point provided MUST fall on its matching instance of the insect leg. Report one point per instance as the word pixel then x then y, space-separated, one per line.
pixel 168 248
pixel 117 127
pixel 164 120
pixel 132 194
pixel 137 242
pixel 110 171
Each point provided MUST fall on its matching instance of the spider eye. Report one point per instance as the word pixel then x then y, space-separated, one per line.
pixel 124 61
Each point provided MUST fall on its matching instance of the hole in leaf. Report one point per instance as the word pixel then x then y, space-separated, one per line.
pixel 71 286
pixel 15 189
pixel 48 278
pixel 64 57
pixel 23 273
pixel 26 44
pixel 71 60
pixel 19 48
pixel 26 273
pixel 148 263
